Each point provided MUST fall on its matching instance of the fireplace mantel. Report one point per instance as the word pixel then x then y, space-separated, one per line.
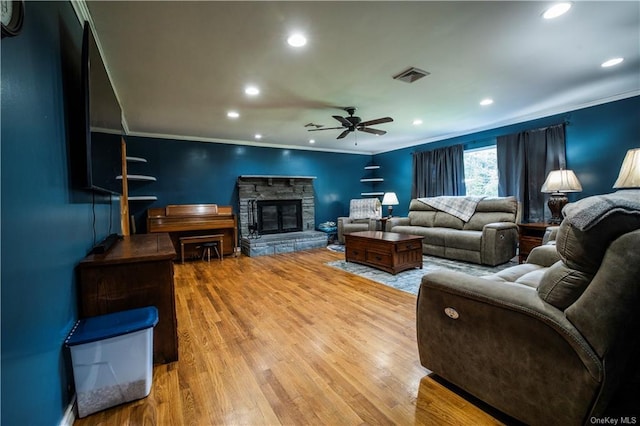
pixel 274 177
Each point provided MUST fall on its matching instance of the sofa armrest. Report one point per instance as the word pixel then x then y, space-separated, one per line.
pixel 341 221
pixel 506 346
pixel 499 242
pixel 550 234
pixel 397 221
pixel 545 255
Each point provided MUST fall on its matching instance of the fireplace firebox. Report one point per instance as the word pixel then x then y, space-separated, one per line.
pixel 279 216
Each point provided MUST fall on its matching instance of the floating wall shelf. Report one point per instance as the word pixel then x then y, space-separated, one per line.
pixel 138 177
pixel 143 198
pixel 136 160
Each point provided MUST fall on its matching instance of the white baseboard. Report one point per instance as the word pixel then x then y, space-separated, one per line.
pixel 70 413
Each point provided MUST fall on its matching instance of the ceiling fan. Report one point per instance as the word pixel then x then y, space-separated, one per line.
pixel 353 123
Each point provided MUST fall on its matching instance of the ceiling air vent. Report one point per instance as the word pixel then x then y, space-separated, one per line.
pixel 410 75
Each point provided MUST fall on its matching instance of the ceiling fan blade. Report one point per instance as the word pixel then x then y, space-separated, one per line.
pixel 343 134
pixel 376 121
pixel 373 131
pixel 324 128
pixel 342 120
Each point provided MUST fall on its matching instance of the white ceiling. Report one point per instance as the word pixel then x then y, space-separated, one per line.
pixel 178 67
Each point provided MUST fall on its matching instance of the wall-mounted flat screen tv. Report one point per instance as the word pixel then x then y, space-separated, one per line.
pixel 103 121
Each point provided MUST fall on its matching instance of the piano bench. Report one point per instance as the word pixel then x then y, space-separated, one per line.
pixel 205 241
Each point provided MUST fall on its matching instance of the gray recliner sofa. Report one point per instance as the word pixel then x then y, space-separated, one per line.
pixel 488 236
pixel 550 341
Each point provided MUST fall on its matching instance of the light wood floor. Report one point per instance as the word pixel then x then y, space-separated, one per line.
pixel 286 339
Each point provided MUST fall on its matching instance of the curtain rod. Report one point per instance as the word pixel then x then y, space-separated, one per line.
pixel 566 122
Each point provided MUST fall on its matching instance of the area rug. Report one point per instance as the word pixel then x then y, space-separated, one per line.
pixel 409 281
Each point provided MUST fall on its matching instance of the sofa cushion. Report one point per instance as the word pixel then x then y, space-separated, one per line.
pixel 560 286
pixel 467 240
pixel 445 220
pixel 499 204
pixel 528 274
pixel 365 221
pixel 422 218
pixel 431 235
pixel 419 230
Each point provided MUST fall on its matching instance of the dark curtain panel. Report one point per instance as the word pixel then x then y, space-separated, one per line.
pixel 524 161
pixel 438 172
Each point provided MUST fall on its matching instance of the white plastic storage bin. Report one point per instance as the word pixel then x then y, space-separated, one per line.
pixel 112 358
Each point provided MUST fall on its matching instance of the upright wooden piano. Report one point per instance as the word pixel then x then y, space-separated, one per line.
pixel 182 220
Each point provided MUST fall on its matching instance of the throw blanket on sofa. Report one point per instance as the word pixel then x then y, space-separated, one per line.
pixel 461 207
pixel 588 212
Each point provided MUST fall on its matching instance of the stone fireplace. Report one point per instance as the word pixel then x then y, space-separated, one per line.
pixel 277 214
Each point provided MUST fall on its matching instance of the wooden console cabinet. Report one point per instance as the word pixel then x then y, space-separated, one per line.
pixel 388 251
pixel 136 272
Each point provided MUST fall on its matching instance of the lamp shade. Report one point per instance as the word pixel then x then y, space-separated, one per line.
pixel 390 199
pixel 629 176
pixel 561 181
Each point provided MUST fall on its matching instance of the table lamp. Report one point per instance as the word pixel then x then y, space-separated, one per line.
pixel 629 176
pixel 557 184
pixel 390 199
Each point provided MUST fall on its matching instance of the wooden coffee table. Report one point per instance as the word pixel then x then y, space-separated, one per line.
pixel 387 251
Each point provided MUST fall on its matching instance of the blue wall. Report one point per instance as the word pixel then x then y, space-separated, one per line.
pixel 46 224
pixel 597 138
pixel 202 172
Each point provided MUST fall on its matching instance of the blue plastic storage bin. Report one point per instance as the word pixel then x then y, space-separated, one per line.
pixel 112 358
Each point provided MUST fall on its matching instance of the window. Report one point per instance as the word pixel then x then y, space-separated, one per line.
pixel 481 171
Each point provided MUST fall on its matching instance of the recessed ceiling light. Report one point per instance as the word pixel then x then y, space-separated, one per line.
pixel 297 40
pixel 251 90
pixel 556 10
pixel 417 122
pixel 486 102
pixel 612 62
pixel 312 141
pixel 258 136
pixel 233 114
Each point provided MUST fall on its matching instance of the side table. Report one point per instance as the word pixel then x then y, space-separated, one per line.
pixel 331 231
pixel 530 236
